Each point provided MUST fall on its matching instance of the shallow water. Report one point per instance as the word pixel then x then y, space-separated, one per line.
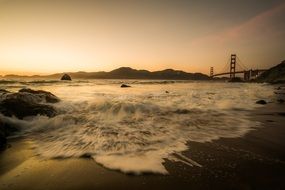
pixel 135 129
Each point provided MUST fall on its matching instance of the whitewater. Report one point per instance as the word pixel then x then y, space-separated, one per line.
pixel 134 130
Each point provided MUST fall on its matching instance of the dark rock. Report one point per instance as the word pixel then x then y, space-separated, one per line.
pixel 49 97
pixel 27 102
pixel 3 140
pixel 166 92
pixel 65 77
pixel 21 108
pixel 280 101
pixel 86 156
pixel 5 130
pixel 262 102
pixel 125 86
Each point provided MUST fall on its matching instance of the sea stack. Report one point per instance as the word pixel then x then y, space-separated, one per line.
pixel 65 77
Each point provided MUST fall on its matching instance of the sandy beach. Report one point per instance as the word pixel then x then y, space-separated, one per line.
pixel 255 161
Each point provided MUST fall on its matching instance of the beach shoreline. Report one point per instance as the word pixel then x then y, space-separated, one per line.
pixel 255 161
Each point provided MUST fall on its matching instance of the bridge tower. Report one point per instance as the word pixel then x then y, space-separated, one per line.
pixel 211 71
pixel 233 65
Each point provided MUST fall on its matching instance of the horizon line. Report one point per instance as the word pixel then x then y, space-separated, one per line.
pixel 68 72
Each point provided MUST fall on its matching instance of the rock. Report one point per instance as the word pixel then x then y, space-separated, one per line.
pixel 280 100
pixel 5 130
pixel 3 140
pixel 27 102
pixel 49 97
pixel 125 86
pixel 262 102
pixel 65 77
pixel 21 108
pixel 166 92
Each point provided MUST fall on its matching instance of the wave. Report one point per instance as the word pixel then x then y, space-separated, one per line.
pixel 42 82
pixel 8 81
pixel 129 135
pixel 29 82
pixel 136 129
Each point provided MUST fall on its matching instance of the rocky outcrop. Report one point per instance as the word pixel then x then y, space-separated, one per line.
pixel 25 102
pixel 44 95
pixel 65 77
pixel 273 75
pixel 125 86
pixel 21 108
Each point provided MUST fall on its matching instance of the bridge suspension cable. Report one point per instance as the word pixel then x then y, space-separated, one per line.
pixel 226 67
pixel 240 63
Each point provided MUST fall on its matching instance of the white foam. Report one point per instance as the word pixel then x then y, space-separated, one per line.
pixel 135 130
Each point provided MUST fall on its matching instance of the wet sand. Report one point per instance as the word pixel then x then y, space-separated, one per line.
pixel 255 161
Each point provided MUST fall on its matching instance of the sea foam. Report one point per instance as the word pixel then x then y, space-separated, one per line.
pixel 135 130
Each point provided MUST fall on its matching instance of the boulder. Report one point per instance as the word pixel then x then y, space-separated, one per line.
pixel 27 102
pixel 262 102
pixel 65 77
pixel 125 86
pixel 47 96
pixel 21 108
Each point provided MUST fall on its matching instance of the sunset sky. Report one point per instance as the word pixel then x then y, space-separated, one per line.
pixel 42 37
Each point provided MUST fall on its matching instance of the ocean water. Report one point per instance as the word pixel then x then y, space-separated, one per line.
pixel 136 129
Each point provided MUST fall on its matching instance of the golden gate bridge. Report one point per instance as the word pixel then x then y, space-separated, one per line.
pixel 235 66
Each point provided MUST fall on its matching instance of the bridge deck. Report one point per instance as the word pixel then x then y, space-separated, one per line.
pixel 238 72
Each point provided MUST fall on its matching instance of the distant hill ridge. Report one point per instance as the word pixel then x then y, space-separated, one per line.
pixel 126 73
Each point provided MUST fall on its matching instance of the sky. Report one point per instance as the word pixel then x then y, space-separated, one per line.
pixel 49 36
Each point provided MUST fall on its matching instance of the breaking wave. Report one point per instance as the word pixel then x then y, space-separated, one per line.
pixel 135 131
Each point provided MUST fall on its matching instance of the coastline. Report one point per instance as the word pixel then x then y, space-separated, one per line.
pixel 255 161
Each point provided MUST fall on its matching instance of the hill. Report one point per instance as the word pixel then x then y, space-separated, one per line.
pixel 126 73
pixel 275 74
